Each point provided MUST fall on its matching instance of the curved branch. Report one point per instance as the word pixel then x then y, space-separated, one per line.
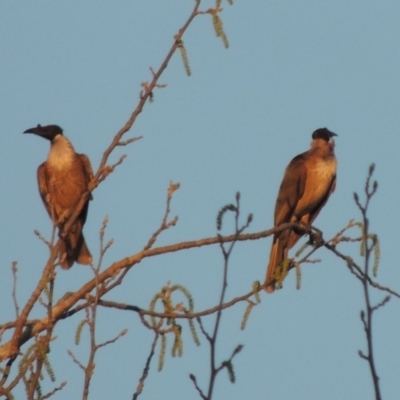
pixel 62 309
pixel 69 300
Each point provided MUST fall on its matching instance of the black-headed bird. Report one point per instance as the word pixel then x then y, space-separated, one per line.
pixel 63 178
pixel 309 180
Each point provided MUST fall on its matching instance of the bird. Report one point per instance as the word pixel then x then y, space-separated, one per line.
pixel 62 179
pixel 308 182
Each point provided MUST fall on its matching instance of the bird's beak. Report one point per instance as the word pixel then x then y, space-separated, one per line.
pixel 31 130
pixel 334 134
pixel 38 130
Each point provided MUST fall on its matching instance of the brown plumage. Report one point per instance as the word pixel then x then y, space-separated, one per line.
pixel 63 178
pixel 309 180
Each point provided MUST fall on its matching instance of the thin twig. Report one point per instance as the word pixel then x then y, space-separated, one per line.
pixel 14 269
pixel 146 369
pixel 164 224
pixel 194 380
pixel 129 141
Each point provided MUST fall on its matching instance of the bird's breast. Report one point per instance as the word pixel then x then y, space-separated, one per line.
pixel 66 185
pixel 318 183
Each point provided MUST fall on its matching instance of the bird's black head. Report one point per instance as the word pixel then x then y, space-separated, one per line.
pixel 48 132
pixel 324 134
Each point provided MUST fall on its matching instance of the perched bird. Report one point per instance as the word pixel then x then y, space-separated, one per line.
pixel 63 179
pixel 309 180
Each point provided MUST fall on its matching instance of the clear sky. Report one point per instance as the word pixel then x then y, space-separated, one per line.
pixel 232 126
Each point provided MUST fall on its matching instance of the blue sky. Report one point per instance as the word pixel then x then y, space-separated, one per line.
pixel 232 126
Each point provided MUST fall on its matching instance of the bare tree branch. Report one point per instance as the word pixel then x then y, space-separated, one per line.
pixel 367 314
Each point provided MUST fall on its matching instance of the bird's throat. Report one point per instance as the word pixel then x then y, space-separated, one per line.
pixel 61 154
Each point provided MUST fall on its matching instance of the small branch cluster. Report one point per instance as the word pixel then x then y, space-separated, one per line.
pixel 90 321
pixel 368 243
pixel 165 224
pixel 212 338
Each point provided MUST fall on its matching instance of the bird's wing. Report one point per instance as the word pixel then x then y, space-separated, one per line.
pixel 87 167
pixel 291 189
pixel 43 183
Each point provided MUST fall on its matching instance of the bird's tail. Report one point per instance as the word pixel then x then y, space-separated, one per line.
pixel 83 255
pixel 294 238
pixel 276 257
pixel 74 249
pixel 65 255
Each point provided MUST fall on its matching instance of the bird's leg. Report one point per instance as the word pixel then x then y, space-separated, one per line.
pixel 316 239
pixel 302 228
